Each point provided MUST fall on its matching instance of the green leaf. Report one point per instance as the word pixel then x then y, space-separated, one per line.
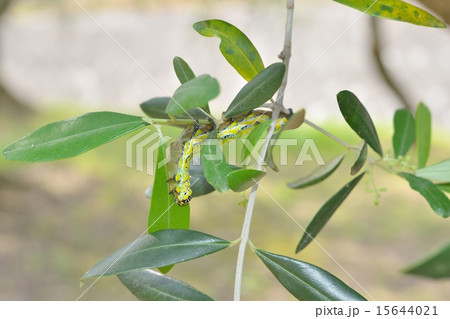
pixel 156 108
pixel 182 70
pixel 234 45
pixel 162 248
pixel 325 213
pixel 258 91
pixel 423 134
pixel 184 73
pixel 360 160
pixel 215 167
pixel 269 154
pixel 193 93
pixel 306 281
pixel 436 265
pixel 150 285
pixel 404 132
pixel 164 212
pixel 166 269
pixel 199 184
pixel 434 196
pixel 252 139
pixel 356 115
pixel 242 179
pixel 295 121
pixel 395 10
pixel 319 174
pixel 438 172
pixel 72 137
pixel 444 187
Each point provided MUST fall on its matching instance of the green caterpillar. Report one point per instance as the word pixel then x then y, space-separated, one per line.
pixel 189 142
pixel 180 185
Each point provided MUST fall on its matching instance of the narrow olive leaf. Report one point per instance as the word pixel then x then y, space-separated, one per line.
pixel 184 73
pixel 193 93
pixel 252 139
pixel 242 179
pixel 199 184
pixel 268 159
pixel 234 45
pixel 360 160
pixel 395 10
pixel 150 285
pixel 434 196
pixel 182 70
pixel 215 167
pixel 444 187
pixel 325 213
pixel 319 174
pixel 166 269
pixel 436 265
pixel 258 91
pixel 295 121
pixel 356 115
pixel 423 134
pixel 404 132
pixel 72 137
pixel 305 281
pixel 162 248
pixel 156 108
pixel 439 171
pixel 164 212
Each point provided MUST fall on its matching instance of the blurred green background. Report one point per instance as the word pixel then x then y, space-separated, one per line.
pixel 58 219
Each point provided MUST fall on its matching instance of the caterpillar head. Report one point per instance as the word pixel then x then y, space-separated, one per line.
pixel 184 197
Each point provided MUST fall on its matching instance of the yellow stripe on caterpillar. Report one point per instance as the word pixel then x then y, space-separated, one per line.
pixel 180 182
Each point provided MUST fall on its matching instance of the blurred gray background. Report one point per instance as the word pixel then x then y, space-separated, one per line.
pixel 58 219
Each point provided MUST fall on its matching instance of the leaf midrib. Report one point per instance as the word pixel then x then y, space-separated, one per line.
pixel 69 137
pixel 247 97
pixel 172 246
pixel 293 275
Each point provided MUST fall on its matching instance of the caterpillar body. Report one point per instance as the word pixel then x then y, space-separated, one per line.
pixel 242 126
pixel 182 152
pixel 190 140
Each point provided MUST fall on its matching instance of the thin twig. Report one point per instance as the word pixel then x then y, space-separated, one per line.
pixel 277 107
pixel 376 53
pixel 285 55
pixel 330 135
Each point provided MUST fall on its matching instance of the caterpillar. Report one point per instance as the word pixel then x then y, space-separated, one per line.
pixel 242 126
pixel 190 140
pixel 179 183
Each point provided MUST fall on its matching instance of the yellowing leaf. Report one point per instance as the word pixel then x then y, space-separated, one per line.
pixel 395 10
